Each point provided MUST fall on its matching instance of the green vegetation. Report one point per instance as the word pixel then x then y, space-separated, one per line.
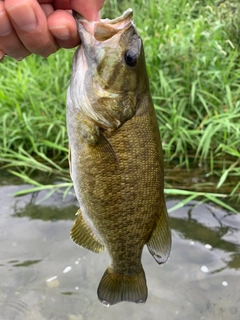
pixel 192 54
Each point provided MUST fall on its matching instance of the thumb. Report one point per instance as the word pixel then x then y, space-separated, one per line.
pixel 88 9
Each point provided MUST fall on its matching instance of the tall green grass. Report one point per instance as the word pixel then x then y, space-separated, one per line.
pixel 32 112
pixel 192 54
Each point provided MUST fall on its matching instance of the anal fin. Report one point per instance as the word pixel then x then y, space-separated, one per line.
pixel 82 234
pixel 159 244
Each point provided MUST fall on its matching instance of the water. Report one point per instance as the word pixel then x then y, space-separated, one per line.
pixel 45 276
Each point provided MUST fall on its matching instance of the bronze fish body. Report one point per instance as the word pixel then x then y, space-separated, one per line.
pixel 116 157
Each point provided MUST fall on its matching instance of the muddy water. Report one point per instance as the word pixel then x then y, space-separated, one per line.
pixel 45 276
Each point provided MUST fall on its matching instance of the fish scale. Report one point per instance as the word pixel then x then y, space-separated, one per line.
pixel 118 172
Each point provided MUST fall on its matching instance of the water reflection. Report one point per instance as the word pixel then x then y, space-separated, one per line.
pixel 235 261
pixel 39 206
pixel 44 275
pixel 34 211
pixel 26 263
pixel 192 229
pixel 189 225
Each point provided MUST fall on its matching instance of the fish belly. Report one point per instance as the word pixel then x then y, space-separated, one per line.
pixel 120 189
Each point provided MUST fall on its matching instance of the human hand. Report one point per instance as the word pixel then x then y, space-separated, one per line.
pixel 41 26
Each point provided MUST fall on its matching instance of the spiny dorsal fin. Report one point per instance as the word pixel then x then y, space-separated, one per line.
pixel 159 244
pixel 84 236
pixel 116 287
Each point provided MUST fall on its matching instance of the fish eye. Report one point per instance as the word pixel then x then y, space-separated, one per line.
pixel 130 57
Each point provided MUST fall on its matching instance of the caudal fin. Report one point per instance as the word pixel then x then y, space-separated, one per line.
pixel 117 287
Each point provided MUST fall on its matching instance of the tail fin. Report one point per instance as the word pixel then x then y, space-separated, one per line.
pixel 117 287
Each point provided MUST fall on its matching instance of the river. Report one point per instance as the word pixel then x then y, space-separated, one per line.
pixel 45 276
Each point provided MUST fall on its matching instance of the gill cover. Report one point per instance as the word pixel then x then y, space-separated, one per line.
pixel 105 75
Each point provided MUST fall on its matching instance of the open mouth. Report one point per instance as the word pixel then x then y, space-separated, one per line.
pixel 105 28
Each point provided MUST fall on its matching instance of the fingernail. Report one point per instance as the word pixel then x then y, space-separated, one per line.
pixel 60 32
pixel 26 21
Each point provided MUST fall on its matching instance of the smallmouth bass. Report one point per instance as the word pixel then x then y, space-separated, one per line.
pixel 116 159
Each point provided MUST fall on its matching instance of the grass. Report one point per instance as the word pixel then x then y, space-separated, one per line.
pixel 192 54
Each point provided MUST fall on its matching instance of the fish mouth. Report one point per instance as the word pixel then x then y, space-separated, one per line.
pixel 105 29
pixel 101 51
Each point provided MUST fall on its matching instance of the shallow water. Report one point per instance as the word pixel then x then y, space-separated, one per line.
pixel 45 276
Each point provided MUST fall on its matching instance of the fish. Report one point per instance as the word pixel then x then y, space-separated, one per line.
pixel 115 156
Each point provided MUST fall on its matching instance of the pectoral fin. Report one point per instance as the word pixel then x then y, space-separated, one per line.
pixel 105 150
pixel 159 244
pixel 82 234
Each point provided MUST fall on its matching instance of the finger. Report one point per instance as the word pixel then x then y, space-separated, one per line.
pixel 9 41
pixel 63 27
pixel 88 9
pixel 30 24
pixel 61 4
pixel 44 1
pixel 2 54
pixel 47 9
